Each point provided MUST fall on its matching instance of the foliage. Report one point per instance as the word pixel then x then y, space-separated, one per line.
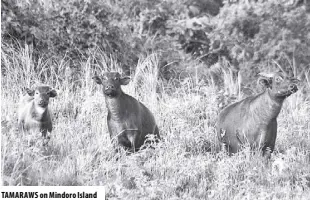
pixel 250 35
pixel 123 29
pixel 66 27
pixel 256 33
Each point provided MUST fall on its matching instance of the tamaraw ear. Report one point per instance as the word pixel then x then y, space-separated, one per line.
pixel 52 93
pixel 29 92
pixel 125 80
pixel 265 80
pixel 97 79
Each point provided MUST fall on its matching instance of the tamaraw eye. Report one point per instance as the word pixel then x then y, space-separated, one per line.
pixel 278 79
pixel 116 78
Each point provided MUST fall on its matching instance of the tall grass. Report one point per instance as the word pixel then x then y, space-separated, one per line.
pixel 186 164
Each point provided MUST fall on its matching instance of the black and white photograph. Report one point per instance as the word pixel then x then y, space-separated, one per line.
pixel 155 99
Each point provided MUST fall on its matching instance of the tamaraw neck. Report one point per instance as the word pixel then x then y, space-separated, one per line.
pixel 38 113
pixel 265 106
pixel 116 106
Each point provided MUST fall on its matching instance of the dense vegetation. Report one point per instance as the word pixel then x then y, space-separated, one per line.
pixel 187 60
pixel 250 36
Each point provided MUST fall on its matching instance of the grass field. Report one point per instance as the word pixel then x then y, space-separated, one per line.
pixel 186 164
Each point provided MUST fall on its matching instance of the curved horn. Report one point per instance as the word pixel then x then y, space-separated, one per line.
pixel 279 66
pixel 268 75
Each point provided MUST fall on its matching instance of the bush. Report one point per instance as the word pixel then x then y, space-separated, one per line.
pixel 257 33
pixel 62 27
pixel 252 36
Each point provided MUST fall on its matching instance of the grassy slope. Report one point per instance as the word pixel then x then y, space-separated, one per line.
pixel 180 167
